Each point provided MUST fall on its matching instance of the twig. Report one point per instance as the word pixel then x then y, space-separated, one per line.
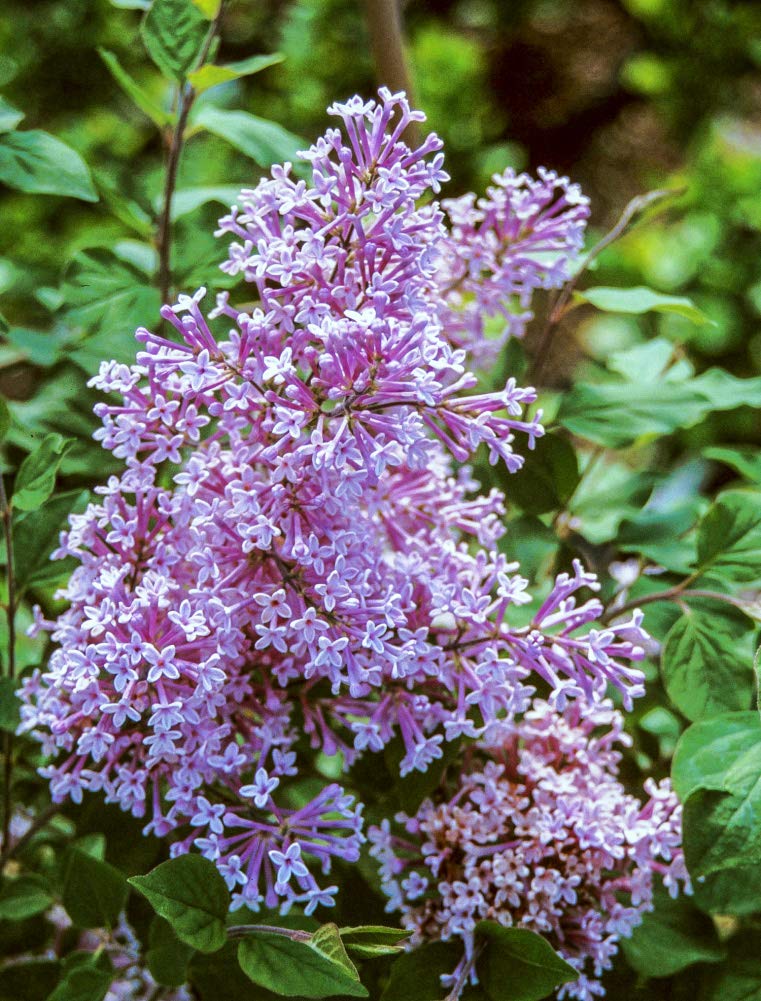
pixel 164 234
pixel 10 611
pixel 678 592
pixel 557 311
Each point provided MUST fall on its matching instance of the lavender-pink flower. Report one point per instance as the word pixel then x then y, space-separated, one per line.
pixel 290 549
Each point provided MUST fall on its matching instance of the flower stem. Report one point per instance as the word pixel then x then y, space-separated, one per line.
pixel 562 300
pixel 10 611
pixel 187 96
pixel 295 934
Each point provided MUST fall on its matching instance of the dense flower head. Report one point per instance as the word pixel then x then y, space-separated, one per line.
pixel 540 834
pixel 291 561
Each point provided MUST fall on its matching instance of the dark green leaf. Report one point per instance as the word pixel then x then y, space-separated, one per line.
pixel 10 705
pixel 218 977
pixel 704 669
pixel 167 957
pixel 722 830
pixel 23 897
pixel 190 894
pixel 416 975
pixel 41 164
pixel 173 32
pixel 35 480
pixel 28 981
pixel 314 969
pixel 518 964
pixel 94 892
pixel 134 91
pixel 5 419
pixel 739 979
pixel 36 535
pixel 672 937
pixel 547 478
pixel 265 142
pixel 86 979
pixel 729 537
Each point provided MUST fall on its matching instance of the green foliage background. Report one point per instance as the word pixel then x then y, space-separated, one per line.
pixel 653 396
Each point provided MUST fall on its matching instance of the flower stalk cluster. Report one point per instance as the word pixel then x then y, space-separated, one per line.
pixel 291 561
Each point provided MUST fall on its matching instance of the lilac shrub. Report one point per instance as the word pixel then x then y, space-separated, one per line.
pixel 291 561
pixel 539 834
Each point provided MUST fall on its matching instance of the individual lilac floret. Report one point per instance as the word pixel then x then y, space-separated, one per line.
pixel 291 555
pixel 538 834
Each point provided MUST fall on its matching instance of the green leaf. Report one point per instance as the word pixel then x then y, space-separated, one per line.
pixel 641 300
pixel 672 937
pixel 722 830
pixel 704 670
pixel 35 535
pixel 547 478
pixel 173 32
pixel 107 293
pixel 87 978
pixel 10 705
pixel 35 480
pixel 187 200
pixel 745 461
pixel 265 142
pixel 9 116
pixel 41 347
pixel 190 894
pixel 24 897
pixel 739 979
pixel 617 414
pixel 5 419
pixel 315 969
pixel 210 76
pixel 167 957
pixel 518 964
pixel 708 750
pixel 371 941
pixel 416 975
pixel 40 164
pixel 729 537
pixel 29 981
pixel 134 91
pixel 94 892
pixel 218 977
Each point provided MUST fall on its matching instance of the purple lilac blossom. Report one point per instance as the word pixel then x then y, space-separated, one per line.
pixel 540 834
pixel 291 562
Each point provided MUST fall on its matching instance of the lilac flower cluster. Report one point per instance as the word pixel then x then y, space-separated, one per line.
pixel 538 834
pixel 290 562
